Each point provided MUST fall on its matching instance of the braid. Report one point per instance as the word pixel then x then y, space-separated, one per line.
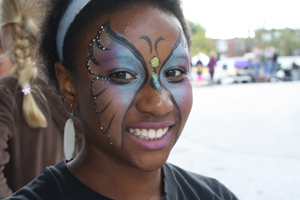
pixel 24 28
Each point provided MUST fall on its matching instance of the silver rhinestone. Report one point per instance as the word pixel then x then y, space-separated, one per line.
pixel 111 143
pixel 97 78
pixel 94 40
pixel 92 72
pixel 101 128
pixel 103 48
pixel 101 27
pixel 107 135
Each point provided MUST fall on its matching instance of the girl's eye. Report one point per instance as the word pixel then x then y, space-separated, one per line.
pixel 173 73
pixel 122 75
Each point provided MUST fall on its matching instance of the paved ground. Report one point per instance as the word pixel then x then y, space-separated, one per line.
pixel 248 137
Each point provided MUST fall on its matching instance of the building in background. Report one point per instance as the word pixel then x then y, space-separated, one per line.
pixel 286 41
pixel 236 47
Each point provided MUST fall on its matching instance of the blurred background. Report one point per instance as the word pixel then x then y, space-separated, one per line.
pixel 244 128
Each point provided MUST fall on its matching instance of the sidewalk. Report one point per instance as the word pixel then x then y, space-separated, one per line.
pixel 248 137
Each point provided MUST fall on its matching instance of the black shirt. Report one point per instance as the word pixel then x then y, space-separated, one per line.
pixel 58 182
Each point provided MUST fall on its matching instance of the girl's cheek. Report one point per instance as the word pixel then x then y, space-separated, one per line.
pixel 182 94
pixel 111 101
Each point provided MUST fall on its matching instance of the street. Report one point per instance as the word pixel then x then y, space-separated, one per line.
pixel 247 136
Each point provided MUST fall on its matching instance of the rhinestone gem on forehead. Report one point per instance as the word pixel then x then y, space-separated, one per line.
pixel 155 62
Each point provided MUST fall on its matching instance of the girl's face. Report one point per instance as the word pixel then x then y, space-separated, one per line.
pixel 133 89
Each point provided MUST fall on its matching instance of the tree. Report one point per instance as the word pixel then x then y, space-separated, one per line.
pixel 200 42
pixel 286 41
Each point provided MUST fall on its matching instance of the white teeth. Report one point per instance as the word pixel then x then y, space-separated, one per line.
pixel 150 134
pixel 144 132
pixel 159 133
pixel 138 131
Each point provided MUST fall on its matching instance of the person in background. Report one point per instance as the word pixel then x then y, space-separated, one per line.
pixel 274 64
pixel 264 61
pixel 199 67
pixel 269 55
pixel 212 64
pixel 31 119
pixel 257 60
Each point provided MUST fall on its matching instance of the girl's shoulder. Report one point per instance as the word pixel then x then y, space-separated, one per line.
pixel 45 187
pixel 57 182
pixel 188 185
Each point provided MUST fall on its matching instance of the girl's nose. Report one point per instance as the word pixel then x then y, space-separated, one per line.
pixel 151 101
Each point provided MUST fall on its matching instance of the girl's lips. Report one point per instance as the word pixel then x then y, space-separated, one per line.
pixel 152 144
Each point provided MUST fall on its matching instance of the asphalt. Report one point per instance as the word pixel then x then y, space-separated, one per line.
pixel 247 136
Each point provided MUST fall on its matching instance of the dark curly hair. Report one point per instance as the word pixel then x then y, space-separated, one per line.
pixel 47 50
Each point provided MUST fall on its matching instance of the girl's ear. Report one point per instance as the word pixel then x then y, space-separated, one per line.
pixel 66 85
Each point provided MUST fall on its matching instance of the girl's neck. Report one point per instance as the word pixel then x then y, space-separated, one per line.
pixel 115 179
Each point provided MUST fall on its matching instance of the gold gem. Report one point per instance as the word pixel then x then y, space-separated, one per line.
pixel 155 62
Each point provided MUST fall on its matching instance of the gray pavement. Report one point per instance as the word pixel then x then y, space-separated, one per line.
pixel 247 136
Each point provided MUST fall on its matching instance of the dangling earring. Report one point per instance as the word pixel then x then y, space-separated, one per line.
pixel 69 137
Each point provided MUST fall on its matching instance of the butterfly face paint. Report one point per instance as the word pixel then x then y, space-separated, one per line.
pixel 115 63
pixel 122 74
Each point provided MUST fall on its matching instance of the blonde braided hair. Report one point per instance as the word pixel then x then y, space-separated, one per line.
pixel 21 20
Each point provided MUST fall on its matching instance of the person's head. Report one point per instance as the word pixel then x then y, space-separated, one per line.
pixel 124 66
pixel 19 29
pixel 213 54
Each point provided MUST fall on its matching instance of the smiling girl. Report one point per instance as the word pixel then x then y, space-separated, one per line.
pixel 123 66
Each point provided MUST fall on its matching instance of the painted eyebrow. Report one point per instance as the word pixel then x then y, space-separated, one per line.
pixel 117 57
pixel 180 56
pixel 147 39
pixel 122 40
pixel 173 49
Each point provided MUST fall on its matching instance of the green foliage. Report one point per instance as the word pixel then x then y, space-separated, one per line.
pixel 200 42
pixel 195 27
pixel 286 41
